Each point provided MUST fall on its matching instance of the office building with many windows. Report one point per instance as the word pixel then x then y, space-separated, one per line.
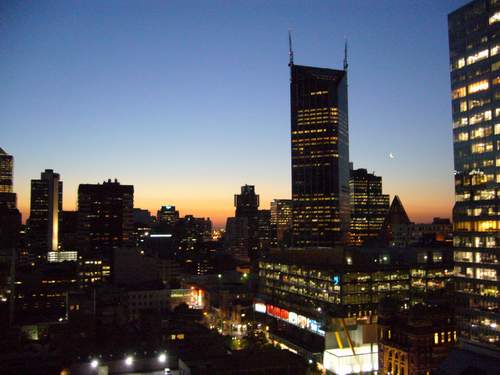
pixel 369 207
pixel 474 42
pixel 320 155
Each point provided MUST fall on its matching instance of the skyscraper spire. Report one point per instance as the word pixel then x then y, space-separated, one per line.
pixel 290 50
pixel 346 65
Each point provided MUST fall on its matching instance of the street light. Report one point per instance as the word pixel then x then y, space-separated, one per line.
pixel 129 360
pixel 162 358
pixel 94 363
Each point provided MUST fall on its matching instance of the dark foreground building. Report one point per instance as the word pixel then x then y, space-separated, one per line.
pixel 320 155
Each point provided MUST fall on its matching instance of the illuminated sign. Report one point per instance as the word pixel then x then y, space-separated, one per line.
pixel 260 307
pixel 290 317
pixel 336 280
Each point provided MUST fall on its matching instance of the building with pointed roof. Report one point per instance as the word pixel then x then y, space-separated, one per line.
pixel 396 229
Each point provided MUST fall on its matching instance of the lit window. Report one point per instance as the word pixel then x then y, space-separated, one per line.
pixel 481 55
pixel 460 63
pixel 494 18
pixel 463 106
pixel 479 86
pixel 479 148
pixel 494 50
pixel 458 93
pixel 436 338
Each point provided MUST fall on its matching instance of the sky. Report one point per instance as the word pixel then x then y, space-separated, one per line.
pixel 189 100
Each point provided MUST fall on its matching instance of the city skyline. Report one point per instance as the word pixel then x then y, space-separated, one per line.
pixel 131 114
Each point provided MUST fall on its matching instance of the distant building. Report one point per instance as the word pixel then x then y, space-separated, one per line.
pixel 474 47
pixel 8 198
pixel 167 215
pixel 45 213
pixel 105 219
pixel 281 218
pixel 142 217
pixel 368 207
pixel 396 228
pixel 439 231
pixel 247 206
pixel 263 233
pixel 69 230
pixel 237 237
pixel 10 217
pixel 320 155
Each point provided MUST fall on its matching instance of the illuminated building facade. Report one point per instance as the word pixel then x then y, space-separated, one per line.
pixel 368 207
pixel 320 155
pixel 45 213
pixel 281 217
pixel 105 217
pixel 323 303
pixel 474 40
pixel 7 195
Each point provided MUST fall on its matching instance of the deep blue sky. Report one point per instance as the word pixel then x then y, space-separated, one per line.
pixel 188 100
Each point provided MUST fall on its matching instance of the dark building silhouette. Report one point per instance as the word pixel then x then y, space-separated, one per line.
pixel 45 213
pixel 368 207
pixel 396 228
pixel 264 234
pixel 10 217
pixel 167 216
pixel 236 238
pixel 244 240
pixel 474 42
pixel 320 155
pixel 105 219
pixel 69 230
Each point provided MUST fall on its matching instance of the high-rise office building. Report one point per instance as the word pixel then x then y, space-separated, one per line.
pixel 105 217
pixel 45 213
pixel 7 195
pixel 474 42
pixel 320 155
pixel 368 207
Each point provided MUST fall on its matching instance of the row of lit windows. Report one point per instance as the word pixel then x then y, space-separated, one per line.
pixel 309 131
pixel 478 195
pixel 488 274
pixel 477 226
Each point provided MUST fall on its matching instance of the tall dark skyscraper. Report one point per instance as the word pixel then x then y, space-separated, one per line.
pixel 105 217
pixel 474 38
pixel 7 195
pixel 320 155
pixel 45 213
pixel 368 207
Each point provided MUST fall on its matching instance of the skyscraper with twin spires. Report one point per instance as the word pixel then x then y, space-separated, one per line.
pixel 320 154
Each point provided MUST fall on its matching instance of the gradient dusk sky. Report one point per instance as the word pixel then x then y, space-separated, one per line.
pixel 189 100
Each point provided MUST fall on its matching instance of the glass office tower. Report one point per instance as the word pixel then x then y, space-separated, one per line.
pixel 474 38
pixel 320 155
